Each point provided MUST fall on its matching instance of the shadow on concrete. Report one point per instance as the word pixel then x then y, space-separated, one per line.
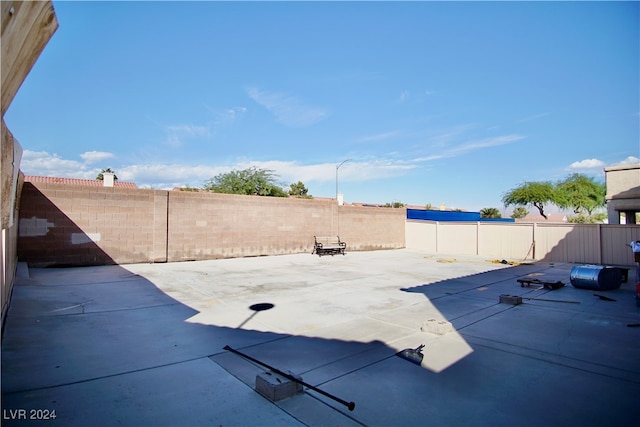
pixel 104 346
pixel 590 244
pixel 47 237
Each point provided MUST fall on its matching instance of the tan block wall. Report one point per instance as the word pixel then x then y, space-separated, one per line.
pixel 207 225
pixel 160 224
pixel 74 225
pixel 369 228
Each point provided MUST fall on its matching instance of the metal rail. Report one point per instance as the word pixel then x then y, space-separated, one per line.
pixel 350 405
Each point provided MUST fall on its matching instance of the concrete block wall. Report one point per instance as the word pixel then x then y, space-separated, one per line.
pixel 380 228
pixel 79 225
pixel 206 225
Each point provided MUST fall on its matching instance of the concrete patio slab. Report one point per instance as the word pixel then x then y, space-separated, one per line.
pixel 144 344
pixel 196 392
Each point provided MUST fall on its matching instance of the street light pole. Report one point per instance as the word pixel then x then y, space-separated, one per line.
pixel 338 167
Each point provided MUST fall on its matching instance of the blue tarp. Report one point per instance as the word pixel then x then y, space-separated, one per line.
pixel 429 215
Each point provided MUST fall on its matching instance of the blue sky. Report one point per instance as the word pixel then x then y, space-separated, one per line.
pixel 433 102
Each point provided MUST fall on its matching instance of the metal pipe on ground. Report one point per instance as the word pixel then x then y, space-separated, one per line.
pixel 350 405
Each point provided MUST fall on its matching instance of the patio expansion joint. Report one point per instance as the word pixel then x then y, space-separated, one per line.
pixel 507 307
pixel 279 404
pixel 312 395
pixel 556 359
pixel 349 356
pixel 360 368
pixel 37 284
pixel 87 313
pixel 102 377
pixel 345 414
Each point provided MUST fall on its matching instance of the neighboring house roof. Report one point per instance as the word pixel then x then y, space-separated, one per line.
pixel 325 199
pixel 540 218
pixel 76 181
pixel 191 189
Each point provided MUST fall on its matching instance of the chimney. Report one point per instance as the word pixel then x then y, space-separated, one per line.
pixel 107 179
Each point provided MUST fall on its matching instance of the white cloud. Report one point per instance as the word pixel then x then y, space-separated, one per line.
pixel 431 157
pixel 374 169
pixel 487 142
pixel 189 130
pixel 225 117
pixel 91 157
pixel 287 109
pixel 596 166
pixel 326 172
pixel 533 117
pixel 631 160
pixel 230 115
pixel 176 134
pixel 167 176
pixel 472 146
pixel 41 163
pixel 587 164
pixel 289 171
pixel 449 136
pixel 381 136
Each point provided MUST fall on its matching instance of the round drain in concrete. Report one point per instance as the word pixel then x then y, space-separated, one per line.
pixel 263 306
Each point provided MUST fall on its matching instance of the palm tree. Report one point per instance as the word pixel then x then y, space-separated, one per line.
pixel 490 213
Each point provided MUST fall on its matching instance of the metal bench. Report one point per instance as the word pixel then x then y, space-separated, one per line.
pixel 329 245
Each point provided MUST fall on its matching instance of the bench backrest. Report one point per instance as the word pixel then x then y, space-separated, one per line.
pixel 327 240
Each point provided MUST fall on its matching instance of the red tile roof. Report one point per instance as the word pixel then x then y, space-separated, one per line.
pixel 75 181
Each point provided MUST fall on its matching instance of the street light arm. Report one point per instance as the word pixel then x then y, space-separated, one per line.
pixel 338 167
pixel 343 162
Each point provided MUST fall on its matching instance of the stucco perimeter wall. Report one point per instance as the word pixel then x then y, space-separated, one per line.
pixel 556 242
pixel 77 225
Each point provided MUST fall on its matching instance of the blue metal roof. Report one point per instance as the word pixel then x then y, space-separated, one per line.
pixel 430 215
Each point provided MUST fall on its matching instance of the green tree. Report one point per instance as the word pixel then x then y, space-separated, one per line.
pixel 251 181
pixel 519 212
pixel 393 205
pixel 100 176
pixel 490 213
pixel 299 190
pixel 531 193
pixel 582 218
pixel 189 188
pixel 580 193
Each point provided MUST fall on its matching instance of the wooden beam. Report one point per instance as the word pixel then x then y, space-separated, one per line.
pixel 10 156
pixel 27 27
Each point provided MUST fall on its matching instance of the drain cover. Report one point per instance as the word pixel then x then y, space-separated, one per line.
pixel 261 306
